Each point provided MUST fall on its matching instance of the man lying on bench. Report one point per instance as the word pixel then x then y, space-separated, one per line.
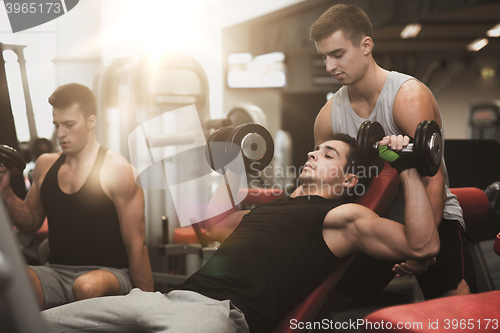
pixel 274 257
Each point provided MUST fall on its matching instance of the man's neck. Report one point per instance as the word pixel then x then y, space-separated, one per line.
pixel 306 190
pixel 364 93
pixel 87 154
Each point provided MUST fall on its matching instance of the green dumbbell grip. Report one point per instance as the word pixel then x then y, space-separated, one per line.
pixel 387 154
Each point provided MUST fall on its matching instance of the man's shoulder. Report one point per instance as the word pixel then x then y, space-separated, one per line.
pixel 346 213
pixel 116 170
pixel 341 94
pixel 413 89
pixel 413 84
pixel 45 161
pixel 113 158
pixel 43 165
pixel 415 100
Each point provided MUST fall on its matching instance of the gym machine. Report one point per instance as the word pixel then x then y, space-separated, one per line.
pixel 484 122
pixel 135 92
pixel 8 134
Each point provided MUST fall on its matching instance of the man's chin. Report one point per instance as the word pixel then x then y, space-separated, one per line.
pixel 304 180
pixel 66 150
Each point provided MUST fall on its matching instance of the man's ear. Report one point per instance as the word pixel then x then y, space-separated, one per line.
pixel 91 122
pixel 367 45
pixel 350 180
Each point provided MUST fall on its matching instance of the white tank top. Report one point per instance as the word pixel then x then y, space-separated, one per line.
pixel 345 120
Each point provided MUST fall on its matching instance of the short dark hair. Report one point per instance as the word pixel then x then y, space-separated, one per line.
pixel 67 95
pixel 353 22
pixel 352 166
pixel 352 160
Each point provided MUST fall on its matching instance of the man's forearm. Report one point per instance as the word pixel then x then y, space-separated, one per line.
pixel 420 225
pixel 19 212
pixel 140 269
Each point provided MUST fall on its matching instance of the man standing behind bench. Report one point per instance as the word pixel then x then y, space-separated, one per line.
pixel 399 102
pixel 93 206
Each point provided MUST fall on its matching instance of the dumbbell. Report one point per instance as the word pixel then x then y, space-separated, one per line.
pixel 253 141
pixel 426 148
pixel 11 158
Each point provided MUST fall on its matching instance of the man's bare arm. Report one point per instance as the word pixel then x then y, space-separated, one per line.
pixel 414 103
pixel 129 202
pixel 27 215
pixel 323 124
pixel 417 239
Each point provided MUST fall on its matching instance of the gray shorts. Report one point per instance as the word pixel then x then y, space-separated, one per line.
pixel 179 311
pixel 57 281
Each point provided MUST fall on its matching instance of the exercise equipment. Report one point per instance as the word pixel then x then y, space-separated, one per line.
pixel 242 113
pixel 131 91
pixel 478 309
pixel 426 148
pixel 8 133
pixel 484 120
pixel 464 313
pixel 11 158
pixel 253 141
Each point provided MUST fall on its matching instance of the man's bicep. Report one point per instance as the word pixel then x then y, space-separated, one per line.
pixel 413 103
pixel 128 199
pixel 33 198
pixel 382 238
pixel 323 124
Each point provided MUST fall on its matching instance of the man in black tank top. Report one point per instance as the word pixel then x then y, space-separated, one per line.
pixel 271 257
pixel 94 209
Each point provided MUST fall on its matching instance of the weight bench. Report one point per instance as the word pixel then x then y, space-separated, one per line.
pixel 448 313
pixel 191 245
pixel 468 313
pixel 323 299
pixel 475 206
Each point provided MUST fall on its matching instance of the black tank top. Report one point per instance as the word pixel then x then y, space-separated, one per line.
pixel 271 262
pixel 83 227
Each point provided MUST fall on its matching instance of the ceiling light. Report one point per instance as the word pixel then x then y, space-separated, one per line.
pixel 494 32
pixel 477 45
pixel 410 31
